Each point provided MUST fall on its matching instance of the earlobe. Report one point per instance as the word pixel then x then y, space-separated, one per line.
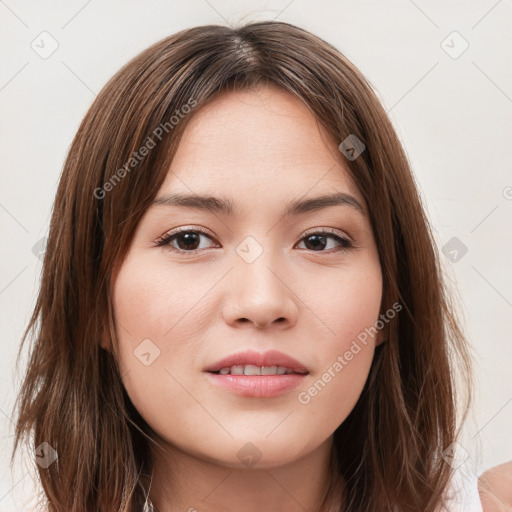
pixel 104 345
pixel 381 338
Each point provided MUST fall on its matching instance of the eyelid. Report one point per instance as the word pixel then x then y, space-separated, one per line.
pixel 166 236
pixel 332 231
pixel 190 228
pixel 164 240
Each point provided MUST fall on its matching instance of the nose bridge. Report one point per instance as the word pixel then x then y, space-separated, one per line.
pixel 259 272
pixel 261 293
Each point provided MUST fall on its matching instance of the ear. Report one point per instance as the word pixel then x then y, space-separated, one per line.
pixel 104 344
pixel 381 336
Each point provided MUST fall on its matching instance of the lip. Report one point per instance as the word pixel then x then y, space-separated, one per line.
pixel 269 358
pixel 257 386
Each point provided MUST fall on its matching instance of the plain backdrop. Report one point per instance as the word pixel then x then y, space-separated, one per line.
pixel 443 72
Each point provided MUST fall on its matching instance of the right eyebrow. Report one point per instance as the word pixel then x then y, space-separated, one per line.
pixel 206 203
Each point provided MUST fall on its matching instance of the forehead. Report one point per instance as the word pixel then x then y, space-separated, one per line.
pixel 265 141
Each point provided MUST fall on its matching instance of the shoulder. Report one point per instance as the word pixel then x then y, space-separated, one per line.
pixel 495 488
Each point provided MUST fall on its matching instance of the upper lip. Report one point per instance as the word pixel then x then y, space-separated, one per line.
pixel 270 358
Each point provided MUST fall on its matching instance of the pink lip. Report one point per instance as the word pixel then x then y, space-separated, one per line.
pixel 257 386
pixel 270 358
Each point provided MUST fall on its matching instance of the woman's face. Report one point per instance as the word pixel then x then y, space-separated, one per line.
pixel 260 278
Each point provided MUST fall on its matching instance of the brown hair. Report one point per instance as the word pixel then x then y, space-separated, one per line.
pixel 389 449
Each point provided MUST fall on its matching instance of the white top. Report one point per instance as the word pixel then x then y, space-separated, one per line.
pixel 463 491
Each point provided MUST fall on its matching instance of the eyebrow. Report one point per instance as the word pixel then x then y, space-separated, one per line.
pixel 227 207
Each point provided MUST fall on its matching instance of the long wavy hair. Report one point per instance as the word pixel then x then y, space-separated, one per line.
pixel 389 450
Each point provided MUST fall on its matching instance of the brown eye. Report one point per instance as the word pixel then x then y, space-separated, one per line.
pixel 184 240
pixel 318 241
pixel 187 241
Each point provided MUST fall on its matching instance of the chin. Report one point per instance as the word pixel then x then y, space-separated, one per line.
pixel 259 453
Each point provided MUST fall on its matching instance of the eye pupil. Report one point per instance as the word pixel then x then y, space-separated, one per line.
pixel 319 241
pixel 190 239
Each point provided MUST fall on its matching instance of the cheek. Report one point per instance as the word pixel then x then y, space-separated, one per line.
pixel 350 310
pixel 151 316
pixel 154 301
pixel 158 322
pixel 346 300
pixel 353 310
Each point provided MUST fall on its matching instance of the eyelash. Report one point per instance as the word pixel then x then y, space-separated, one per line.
pixel 345 243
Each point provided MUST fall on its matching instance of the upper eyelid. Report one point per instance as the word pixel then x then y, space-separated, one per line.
pixel 330 231
pixel 335 232
pixel 206 232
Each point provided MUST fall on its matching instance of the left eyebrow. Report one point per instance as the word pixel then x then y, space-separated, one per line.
pixel 226 206
pixel 299 207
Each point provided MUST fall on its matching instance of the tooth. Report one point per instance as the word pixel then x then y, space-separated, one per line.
pixel 268 370
pixel 250 369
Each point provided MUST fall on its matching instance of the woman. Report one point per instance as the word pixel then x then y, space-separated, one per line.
pixel 241 302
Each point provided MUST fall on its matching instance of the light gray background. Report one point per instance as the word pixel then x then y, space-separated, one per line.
pixel 453 113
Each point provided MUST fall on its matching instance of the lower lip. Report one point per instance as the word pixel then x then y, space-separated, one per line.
pixel 258 386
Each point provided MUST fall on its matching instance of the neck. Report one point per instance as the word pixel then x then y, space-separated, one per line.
pixel 185 482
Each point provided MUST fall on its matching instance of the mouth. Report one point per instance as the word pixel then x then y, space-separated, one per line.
pixel 257 375
pixel 251 362
pixel 250 369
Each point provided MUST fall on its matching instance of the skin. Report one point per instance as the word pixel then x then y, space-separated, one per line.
pixel 262 149
pixel 495 488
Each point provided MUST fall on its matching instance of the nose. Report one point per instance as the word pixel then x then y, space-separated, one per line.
pixel 260 294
